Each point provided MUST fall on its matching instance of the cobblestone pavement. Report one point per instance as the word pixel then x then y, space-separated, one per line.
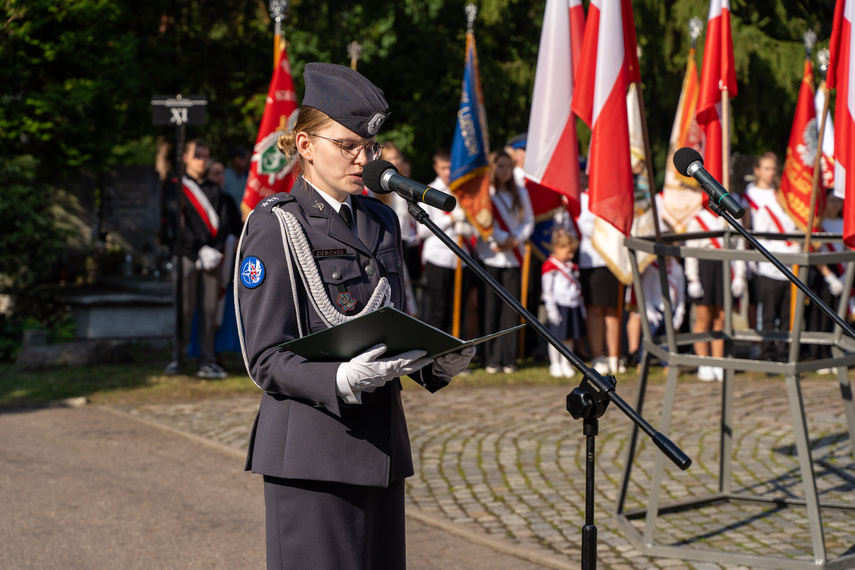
pixel 508 464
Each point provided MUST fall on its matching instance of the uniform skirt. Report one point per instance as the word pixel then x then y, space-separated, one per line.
pixel 318 524
pixel 711 276
pixel 600 287
pixel 572 323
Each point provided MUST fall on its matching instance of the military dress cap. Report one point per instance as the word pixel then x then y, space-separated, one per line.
pixel 346 96
pixel 518 141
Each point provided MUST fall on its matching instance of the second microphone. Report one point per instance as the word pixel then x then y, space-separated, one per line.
pixel 381 177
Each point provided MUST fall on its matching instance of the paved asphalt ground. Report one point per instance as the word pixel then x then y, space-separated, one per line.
pixel 499 481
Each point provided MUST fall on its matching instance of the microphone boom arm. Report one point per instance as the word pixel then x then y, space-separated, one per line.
pixel 594 389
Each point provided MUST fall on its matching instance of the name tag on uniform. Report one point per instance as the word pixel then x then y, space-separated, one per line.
pixel 329 252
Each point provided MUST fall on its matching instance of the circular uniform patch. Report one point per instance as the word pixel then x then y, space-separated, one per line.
pixel 252 272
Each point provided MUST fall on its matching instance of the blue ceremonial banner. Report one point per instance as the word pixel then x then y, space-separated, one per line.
pixel 470 180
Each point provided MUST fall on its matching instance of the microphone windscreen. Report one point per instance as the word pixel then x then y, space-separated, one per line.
pixel 373 171
pixel 684 157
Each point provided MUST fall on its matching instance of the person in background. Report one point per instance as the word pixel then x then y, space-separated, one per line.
pixel 217 173
pixel 825 280
pixel 207 223
pixel 773 288
pixel 603 294
pixel 515 147
pixel 237 173
pixel 562 296
pixel 440 263
pixel 502 256
pixel 409 227
pixel 655 304
pixel 758 193
pixel 706 289
pixel 330 438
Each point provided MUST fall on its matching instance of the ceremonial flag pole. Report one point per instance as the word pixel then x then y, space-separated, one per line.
pixel 839 75
pixel 470 173
pixel 269 171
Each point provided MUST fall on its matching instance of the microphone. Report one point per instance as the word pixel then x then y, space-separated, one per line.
pixel 381 177
pixel 688 162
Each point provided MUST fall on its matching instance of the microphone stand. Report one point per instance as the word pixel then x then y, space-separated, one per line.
pixel 721 211
pixel 587 402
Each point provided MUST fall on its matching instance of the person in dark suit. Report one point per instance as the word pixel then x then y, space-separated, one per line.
pixel 330 438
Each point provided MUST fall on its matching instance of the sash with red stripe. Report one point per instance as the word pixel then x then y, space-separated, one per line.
pixel 202 205
pixel 552 264
pixel 777 223
pixel 499 220
pixel 715 241
pixel 833 248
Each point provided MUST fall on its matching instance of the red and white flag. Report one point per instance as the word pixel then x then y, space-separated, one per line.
pixel 839 74
pixel 718 80
pixel 552 150
pixel 607 66
pixel 827 160
pixel 269 171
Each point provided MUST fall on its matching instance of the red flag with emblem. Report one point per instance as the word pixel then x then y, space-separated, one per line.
pixel 797 178
pixel 270 172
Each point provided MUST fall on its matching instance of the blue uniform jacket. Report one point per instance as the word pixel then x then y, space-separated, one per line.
pixel 303 431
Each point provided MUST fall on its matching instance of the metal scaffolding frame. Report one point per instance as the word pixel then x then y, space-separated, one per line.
pixel 666 350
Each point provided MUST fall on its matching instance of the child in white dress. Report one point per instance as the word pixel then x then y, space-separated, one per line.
pixel 562 296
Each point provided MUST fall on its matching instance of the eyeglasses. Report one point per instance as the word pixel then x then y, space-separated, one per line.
pixel 350 149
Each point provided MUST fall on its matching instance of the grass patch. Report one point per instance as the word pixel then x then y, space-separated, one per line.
pixel 141 380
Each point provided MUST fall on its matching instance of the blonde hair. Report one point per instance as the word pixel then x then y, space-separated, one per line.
pixel 309 120
pixel 562 237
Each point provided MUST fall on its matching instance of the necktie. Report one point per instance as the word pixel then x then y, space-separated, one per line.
pixel 345 214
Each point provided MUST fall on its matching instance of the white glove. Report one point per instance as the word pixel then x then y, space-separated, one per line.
pixel 834 284
pixel 553 315
pixel 209 258
pixel 367 372
pixel 737 286
pixel 463 229
pixel 453 363
pixel 696 290
pixel 679 315
pixel 654 317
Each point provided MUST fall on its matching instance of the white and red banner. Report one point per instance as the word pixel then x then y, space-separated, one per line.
pixel 827 160
pixel 552 149
pixel 607 66
pixel 718 80
pixel 269 171
pixel 839 74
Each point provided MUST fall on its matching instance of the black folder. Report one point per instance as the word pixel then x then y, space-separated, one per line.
pixel 398 331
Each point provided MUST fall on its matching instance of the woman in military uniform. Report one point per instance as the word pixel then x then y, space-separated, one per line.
pixel 330 438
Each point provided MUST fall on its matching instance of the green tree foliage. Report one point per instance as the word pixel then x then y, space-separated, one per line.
pixel 77 75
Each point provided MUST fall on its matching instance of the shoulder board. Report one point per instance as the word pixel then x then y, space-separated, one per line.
pixel 268 203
